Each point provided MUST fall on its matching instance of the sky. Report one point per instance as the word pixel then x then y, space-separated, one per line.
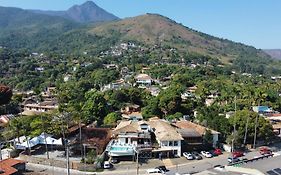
pixel 252 22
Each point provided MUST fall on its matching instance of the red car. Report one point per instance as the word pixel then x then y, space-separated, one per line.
pixel 218 151
pixel 237 154
pixel 265 150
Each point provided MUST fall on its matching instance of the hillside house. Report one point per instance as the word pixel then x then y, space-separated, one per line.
pixel 143 80
pixel 37 108
pixel 130 108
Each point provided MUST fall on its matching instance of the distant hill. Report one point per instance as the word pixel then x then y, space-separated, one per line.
pixel 154 29
pixel 274 53
pixel 23 29
pixel 85 13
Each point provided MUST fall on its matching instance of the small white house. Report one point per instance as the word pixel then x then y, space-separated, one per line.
pixel 143 79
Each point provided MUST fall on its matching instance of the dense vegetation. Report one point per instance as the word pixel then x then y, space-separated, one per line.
pixel 78 53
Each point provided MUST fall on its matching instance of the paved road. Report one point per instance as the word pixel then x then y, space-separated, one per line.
pixel 185 166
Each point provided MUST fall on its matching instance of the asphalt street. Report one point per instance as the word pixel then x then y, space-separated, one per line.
pixel 186 166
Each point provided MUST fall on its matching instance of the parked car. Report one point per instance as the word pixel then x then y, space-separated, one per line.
pixel 218 151
pixel 233 159
pixel 107 165
pixel 265 150
pixel 162 168
pixel 237 154
pixel 188 156
pixel 206 154
pixel 154 171
pixel 114 160
pixel 196 155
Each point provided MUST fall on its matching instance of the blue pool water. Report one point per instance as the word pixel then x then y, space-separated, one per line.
pixel 115 148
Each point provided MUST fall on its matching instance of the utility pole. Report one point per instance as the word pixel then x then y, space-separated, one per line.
pixel 80 137
pixel 137 162
pixel 0 150
pixel 67 158
pixel 234 125
pixel 45 139
pixel 84 157
pixel 255 136
pixel 246 131
pixel 234 128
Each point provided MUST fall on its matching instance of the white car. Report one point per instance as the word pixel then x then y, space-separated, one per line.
pixel 188 156
pixel 154 171
pixel 206 154
pixel 107 165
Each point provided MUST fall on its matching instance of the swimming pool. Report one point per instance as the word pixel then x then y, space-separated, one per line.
pixel 121 150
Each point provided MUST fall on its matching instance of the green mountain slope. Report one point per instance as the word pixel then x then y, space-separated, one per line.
pixel 23 29
pixel 158 30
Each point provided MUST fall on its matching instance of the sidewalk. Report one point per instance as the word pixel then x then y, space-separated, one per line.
pixel 129 167
pixel 54 170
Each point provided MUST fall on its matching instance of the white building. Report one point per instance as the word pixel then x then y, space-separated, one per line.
pixel 168 138
pixel 143 79
pixel 129 137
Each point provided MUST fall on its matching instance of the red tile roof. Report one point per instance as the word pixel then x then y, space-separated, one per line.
pixel 6 166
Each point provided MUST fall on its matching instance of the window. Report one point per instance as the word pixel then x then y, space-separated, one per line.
pixel 165 143
pixel 170 143
pixel 176 143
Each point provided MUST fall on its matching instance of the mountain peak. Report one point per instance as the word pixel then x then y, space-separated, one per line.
pixel 89 12
pixel 89 3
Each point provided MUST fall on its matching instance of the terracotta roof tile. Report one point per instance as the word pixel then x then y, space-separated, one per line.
pixel 189 125
pixel 6 166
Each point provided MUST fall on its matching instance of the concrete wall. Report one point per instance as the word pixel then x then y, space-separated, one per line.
pixel 57 163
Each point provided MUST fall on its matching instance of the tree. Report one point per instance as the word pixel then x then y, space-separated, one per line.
pixel 170 100
pixel 175 116
pixel 111 118
pixel 263 127
pixel 95 108
pixel 151 109
pixel 208 137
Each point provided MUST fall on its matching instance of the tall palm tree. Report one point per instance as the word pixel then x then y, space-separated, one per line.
pixel 15 127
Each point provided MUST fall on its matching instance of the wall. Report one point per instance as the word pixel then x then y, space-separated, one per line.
pixel 57 163
pixel 178 148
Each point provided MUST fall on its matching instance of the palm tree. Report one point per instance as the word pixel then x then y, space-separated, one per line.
pixel 15 127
